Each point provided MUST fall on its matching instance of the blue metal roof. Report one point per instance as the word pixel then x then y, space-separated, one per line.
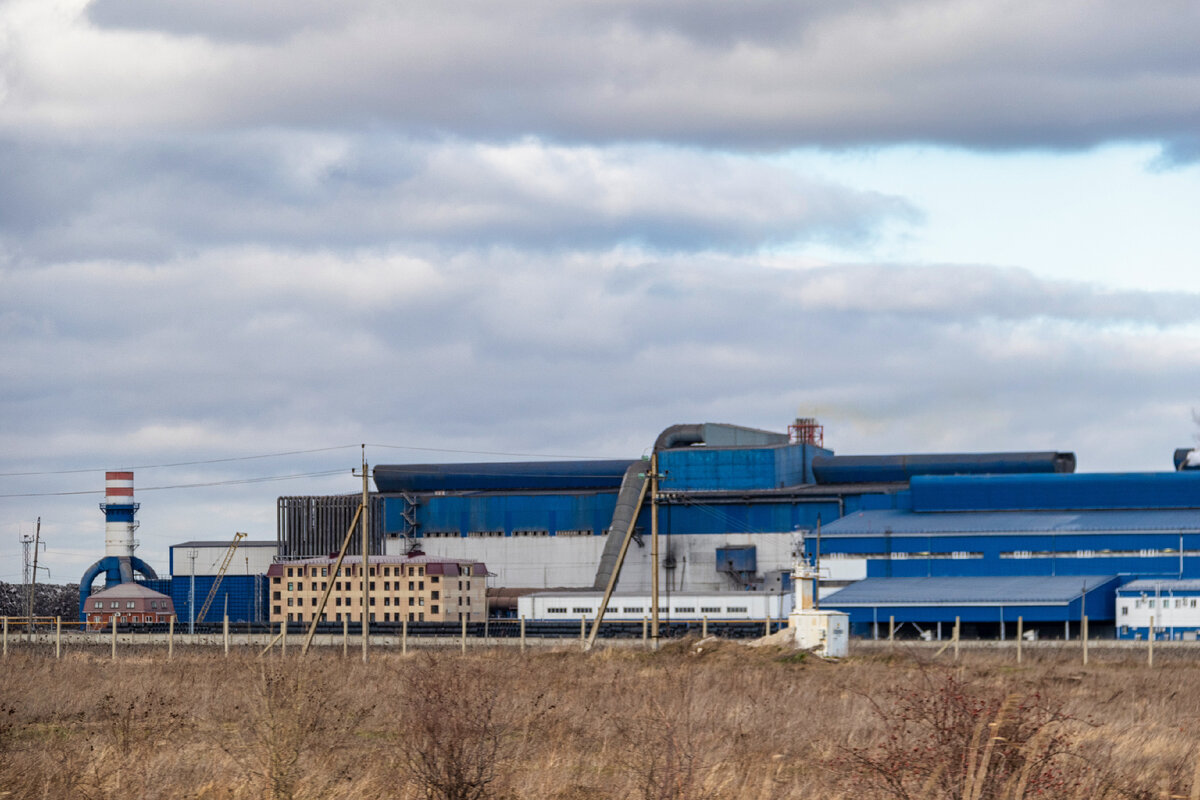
pixel 900 523
pixel 1025 591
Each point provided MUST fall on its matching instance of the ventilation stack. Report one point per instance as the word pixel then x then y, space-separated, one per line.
pixel 119 510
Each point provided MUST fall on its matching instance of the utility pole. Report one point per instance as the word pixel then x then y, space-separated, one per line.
pixel 27 570
pixel 654 550
pixel 37 543
pixel 192 594
pixel 365 558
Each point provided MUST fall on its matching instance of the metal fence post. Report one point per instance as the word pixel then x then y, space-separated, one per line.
pixel 1020 636
pixel 522 633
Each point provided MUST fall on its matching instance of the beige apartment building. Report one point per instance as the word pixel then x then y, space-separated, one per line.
pixel 399 588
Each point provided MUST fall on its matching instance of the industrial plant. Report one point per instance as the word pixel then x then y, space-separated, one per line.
pixel 908 544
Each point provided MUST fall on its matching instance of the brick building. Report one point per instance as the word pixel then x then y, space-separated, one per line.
pixel 129 603
pixel 416 589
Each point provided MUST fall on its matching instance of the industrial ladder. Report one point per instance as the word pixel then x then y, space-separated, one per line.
pixel 212 593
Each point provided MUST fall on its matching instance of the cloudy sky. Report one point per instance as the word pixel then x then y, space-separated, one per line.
pixel 231 232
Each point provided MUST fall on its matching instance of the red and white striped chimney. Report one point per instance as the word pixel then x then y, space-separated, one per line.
pixel 119 509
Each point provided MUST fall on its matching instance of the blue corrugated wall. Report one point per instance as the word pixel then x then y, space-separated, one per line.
pixel 242 591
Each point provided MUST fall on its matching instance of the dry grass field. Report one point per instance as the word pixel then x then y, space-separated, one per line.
pixel 717 721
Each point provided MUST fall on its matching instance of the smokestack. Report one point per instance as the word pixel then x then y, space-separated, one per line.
pixel 119 510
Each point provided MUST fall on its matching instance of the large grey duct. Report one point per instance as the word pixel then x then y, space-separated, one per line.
pixel 623 514
pixel 627 497
pixel 679 436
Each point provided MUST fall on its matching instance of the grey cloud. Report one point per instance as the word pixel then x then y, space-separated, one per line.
pixel 755 75
pixel 151 197
pixel 252 350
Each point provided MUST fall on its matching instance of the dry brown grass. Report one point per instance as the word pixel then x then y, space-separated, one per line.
pixel 728 722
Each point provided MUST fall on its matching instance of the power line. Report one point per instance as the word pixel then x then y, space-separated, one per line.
pixel 491 452
pixel 179 463
pixel 234 482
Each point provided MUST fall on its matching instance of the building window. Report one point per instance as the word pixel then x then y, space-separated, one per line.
pixel 1124 611
pixel 709 610
pixel 337 600
pixel 289 602
pixel 324 571
pixel 421 616
pixel 276 580
pixel 387 601
pixel 130 604
pixel 411 617
pixel 434 594
pixel 371 600
pixel 290 589
pixel 114 604
pixel 434 610
pixel 278 610
pixel 412 601
pixel 632 610
pixel 412 585
pixel 98 604
pixel 420 601
pixel 433 578
pixel 290 572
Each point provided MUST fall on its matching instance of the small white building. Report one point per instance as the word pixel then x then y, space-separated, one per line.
pixel 1174 606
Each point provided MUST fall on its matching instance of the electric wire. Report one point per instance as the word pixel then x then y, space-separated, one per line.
pixel 232 482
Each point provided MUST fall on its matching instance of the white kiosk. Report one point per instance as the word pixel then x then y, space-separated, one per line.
pixel 826 633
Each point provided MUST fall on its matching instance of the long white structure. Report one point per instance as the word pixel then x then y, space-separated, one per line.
pixel 634 606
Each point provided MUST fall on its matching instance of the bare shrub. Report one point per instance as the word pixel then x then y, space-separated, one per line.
pixel 292 720
pixel 458 731
pixel 666 751
pixel 944 737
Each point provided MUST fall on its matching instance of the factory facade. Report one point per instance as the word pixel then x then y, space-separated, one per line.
pixel 912 540
pixel 915 541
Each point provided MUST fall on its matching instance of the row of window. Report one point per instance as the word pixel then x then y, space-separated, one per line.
pixel 387 601
pixel 293 572
pixel 99 604
pixel 642 610
pixel 1165 602
pixel 412 617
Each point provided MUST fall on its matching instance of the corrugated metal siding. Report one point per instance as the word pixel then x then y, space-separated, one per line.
pixel 1157 490
pixel 248 597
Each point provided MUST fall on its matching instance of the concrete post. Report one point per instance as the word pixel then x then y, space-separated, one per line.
pixel 957 632
pixel 170 637
pixel 404 637
pixel 1020 636
pixel 645 630
pixel 704 627
pixel 6 636
pixel 114 637
pixel 522 633
pixel 583 632
pixel 1083 633
pixel 58 637
pixel 891 631
pixel 225 634
pixel 283 637
pixel 1150 641
pixel 345 635
pixel 464 631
